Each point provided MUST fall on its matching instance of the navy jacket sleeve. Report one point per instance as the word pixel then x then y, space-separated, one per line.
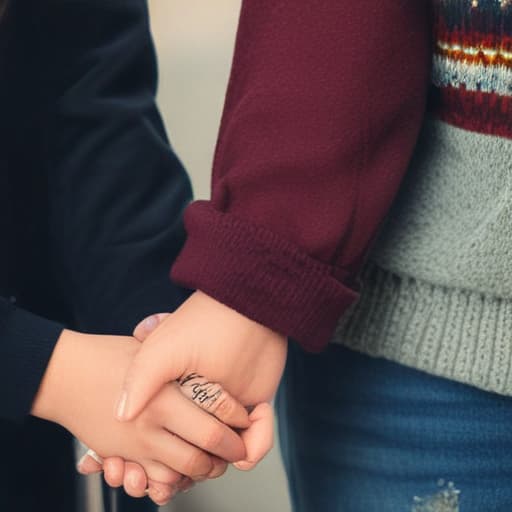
pixel 117 191
pixel 27 342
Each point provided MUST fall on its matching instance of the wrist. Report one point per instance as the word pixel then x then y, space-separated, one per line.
pixel 50 395
pixel 210 304
pixel 77 364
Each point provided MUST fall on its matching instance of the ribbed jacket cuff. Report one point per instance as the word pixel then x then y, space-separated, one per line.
pixel 260 275
pixel 26 345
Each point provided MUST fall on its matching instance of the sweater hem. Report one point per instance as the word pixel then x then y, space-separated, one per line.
pixel 454 333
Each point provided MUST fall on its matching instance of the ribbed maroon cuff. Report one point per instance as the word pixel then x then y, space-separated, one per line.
pixel 260 275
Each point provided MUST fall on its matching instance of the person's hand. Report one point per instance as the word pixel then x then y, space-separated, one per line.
pixel 132 476
pixel 78 391
pixel 205 337
pixel 117 472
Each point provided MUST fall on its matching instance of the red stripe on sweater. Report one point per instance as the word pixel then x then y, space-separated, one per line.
pixel 470 36
pixel 475 110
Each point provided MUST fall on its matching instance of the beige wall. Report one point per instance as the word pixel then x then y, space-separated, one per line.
pixel 194 41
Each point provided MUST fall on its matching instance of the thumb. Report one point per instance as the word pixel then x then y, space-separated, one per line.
pixel 153 366
pixel 148 325
pixel 259 437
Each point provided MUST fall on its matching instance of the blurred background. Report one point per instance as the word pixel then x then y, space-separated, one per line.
pixel 194 41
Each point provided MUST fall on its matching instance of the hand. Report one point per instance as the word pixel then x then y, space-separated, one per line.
pixel 117 472
pixel 83 377
pixel 206 337
pixel 132 476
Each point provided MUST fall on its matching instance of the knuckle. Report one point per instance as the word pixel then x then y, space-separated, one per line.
pixel 213 438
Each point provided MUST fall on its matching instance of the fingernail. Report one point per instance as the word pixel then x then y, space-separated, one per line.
pixel 121 406
pixel 243 465
pixel 79 464
pixel 150 323
pixel 93 455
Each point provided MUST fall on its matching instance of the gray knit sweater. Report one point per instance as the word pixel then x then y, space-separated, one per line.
pixel 437 287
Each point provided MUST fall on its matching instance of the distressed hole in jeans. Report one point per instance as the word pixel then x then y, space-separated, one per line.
pixel 445 500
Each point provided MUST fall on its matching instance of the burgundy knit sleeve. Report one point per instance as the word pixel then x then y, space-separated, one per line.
pixel 321 117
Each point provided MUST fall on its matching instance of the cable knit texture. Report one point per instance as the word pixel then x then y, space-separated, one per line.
pixel 437 287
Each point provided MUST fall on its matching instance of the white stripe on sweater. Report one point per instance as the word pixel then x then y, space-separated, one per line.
pixel 475 77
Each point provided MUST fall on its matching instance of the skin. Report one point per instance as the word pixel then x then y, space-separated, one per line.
pixel 172 436
pixel 246 358
pixel 257 438
pixel 205 337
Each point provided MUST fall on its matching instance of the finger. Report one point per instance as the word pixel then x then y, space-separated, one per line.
pixel 148 325
pixel 182 457
pixel 186 486
pixel 199 428
pixel 157 472
pixel 154 365
pixel 259 437
pixel 135 480
pixel 160 493
pixel 211 397
pixel 113 468
pixel 185 483
pixel 89 464
pixel 219 468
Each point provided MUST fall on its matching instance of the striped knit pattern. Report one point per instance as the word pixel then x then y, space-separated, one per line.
pixel 472 64
pixel 436 291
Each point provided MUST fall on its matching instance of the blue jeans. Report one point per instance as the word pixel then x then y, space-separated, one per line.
pixel 360 434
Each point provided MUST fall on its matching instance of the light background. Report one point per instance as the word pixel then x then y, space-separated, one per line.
pixel 194 40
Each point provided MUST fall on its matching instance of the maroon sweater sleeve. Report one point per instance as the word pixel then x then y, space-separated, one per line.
pixel 321 117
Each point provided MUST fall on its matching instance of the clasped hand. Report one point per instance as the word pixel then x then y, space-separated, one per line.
pixel 184 391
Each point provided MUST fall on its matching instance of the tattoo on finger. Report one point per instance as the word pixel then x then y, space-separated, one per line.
pixel 200 390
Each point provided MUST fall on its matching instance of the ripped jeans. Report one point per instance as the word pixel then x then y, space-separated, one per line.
pixel 360 434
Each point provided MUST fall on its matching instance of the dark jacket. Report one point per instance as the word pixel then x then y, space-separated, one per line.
pixel 91 200
pixel 91 192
